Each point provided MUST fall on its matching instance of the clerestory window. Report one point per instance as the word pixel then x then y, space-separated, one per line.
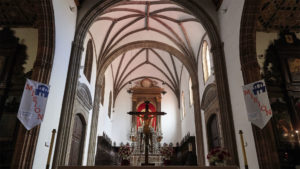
pixel 206 61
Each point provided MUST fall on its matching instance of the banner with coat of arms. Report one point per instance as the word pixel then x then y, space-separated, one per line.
pixel 33 103
pixel 257 103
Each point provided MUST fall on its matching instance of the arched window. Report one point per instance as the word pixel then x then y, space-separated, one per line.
pixel 182 104
pixel 88 64
pixel 206 64
pixel 191 92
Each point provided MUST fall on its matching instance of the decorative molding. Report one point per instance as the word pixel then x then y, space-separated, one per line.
pixel 84 94
pixel 16 13
pixel 210 94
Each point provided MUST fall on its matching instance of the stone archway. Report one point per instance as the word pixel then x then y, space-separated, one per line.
pixel 220 74
pixel 40 17
pixel 264 139
pixel 210 106
pixel 189 66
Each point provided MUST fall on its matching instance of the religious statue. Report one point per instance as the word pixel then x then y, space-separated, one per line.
pixel 147 116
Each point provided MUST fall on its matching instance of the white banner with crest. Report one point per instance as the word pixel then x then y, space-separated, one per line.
pixel 257 103
pixel 33 103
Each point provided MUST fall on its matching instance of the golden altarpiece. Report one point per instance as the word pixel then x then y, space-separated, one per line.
pixel 146 90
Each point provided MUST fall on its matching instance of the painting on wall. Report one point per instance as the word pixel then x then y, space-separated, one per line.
pixel 140 121
pixel 294 68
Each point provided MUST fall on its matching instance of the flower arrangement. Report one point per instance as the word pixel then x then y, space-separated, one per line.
pixel 166 151
pixel 218 155
pixel 125 151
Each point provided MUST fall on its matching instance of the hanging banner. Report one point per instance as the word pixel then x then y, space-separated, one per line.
pixel 33 103
pixel 257 103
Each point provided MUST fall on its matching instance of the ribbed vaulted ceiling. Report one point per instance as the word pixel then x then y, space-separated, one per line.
pixel 138 21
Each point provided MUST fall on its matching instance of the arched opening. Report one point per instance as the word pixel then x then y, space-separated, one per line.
pixel 213 133
pixel 264 47
pixel 179 50
pixel 27 49
pixel 77 140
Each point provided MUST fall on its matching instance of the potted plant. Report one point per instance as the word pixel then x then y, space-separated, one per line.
pixel 124 153
pixel 167 152
pixel 218 156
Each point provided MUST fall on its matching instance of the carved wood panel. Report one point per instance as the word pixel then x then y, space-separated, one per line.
pixel 12 81
pixel 282 90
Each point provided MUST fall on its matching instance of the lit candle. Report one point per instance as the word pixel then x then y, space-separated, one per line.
pixel 297 133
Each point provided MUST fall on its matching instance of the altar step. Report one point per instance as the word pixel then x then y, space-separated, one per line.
pixel 146 167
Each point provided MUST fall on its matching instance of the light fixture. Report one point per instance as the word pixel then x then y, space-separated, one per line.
pixel 163 92
pixel 129 90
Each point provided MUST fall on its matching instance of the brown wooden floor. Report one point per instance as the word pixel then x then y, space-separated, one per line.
pixel 148 167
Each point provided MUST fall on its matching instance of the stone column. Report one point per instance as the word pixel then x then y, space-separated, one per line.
pixel 63 135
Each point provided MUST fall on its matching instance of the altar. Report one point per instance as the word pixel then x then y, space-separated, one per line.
pixel 139 159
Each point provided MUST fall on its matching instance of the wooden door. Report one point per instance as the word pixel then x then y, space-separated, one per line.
pixel 77 142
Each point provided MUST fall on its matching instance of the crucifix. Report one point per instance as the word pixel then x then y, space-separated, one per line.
pixel 146 116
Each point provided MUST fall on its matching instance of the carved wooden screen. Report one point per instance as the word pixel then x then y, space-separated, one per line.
pixel 12 80
pixel 282 76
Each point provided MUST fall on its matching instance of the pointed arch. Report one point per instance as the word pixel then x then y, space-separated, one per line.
pixel 266 153
pixel 84 22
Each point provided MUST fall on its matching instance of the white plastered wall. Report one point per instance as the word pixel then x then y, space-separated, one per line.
pixel 171 122
pixel 104 122
pixel 188 121
pixel 121 121
pixel 64 34
pixel 230 20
